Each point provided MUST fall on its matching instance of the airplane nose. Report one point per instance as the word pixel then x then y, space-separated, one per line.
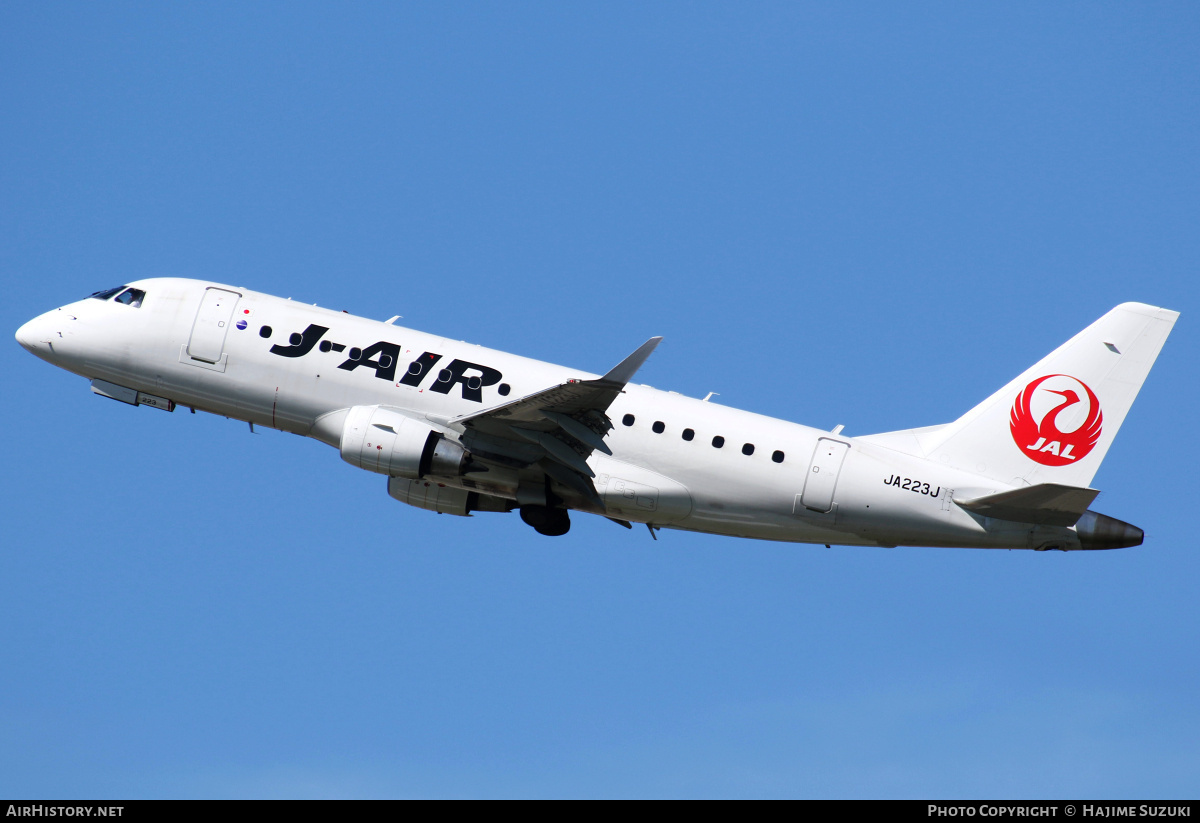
pixel 35 336
pixel 27 336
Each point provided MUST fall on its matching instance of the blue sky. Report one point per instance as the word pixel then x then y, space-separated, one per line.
pixel 866 214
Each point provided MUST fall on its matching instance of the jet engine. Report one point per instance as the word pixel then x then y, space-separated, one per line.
pixel 433 496
pixel 382 440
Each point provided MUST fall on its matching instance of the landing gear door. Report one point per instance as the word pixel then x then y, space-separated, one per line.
pixel 823 474
pixel 207 342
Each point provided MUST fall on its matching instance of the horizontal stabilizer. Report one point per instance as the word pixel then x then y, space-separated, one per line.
pixel 1047 504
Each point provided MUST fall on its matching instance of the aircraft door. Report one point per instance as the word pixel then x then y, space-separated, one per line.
pixel 207 342
pixel 823 474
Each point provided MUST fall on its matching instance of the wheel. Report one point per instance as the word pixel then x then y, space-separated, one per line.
pixel 547 521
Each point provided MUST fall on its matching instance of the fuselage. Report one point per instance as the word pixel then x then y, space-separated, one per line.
pixel 677 462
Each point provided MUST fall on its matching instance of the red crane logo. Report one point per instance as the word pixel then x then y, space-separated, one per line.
pixel 1056 431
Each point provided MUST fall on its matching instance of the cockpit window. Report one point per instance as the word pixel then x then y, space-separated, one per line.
pixel 107 293
pixel 131 297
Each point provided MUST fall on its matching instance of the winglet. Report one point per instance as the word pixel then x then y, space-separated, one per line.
pixel 624 371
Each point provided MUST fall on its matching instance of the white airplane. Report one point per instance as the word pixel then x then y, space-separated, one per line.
pixel 458 428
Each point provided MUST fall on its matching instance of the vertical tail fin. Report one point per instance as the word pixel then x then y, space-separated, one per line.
pixel 1055 422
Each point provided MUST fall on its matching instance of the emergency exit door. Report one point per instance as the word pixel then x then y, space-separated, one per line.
pixel 823 474
pixel 207 342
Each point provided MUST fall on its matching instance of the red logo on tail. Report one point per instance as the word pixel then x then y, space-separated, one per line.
pixel 1051 424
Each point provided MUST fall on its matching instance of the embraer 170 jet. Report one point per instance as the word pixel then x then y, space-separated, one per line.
pixel 458 428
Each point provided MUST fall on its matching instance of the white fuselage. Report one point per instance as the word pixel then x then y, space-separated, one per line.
pixel 873 495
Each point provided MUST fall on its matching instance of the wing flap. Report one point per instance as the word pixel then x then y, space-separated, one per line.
pixel 557 449
pixel 578 430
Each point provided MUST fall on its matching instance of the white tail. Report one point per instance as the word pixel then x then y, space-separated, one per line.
pixel 1055 422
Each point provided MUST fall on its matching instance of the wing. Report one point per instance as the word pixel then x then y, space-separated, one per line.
pixel 558 428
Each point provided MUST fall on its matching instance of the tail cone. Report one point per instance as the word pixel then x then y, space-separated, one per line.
pixel 1098 531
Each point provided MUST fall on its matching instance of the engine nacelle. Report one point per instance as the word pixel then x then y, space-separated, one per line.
pixel 425 494
pixel 381 440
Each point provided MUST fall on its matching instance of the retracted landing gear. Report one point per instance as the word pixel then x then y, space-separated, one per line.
pixel 551 522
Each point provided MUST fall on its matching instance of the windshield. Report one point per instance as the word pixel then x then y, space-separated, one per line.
pixel 131 297
pixel 107 293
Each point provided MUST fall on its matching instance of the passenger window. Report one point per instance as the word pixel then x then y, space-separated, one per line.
pixel 688 434
pixel 107 293
pixel 718 442
pixel 659 427
pixel 627 420
pixel 265 331
pixel 777 456
pixel 747 449
pixel 504 389
pixel 131 297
